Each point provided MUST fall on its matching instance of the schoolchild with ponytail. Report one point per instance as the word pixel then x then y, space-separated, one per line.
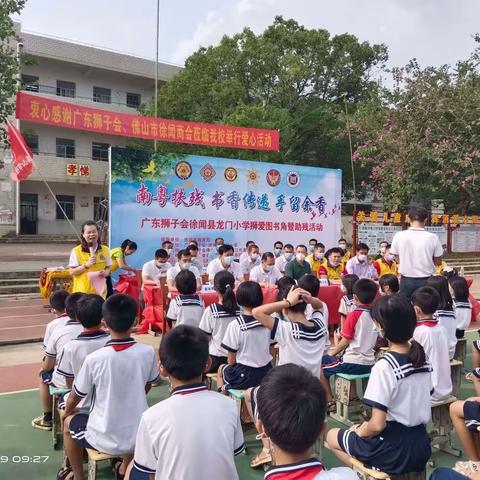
pixel 217 316
pixel 395 439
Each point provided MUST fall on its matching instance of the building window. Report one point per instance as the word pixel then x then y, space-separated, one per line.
pixel 68 204
pixel 133 100
pixel 102 95
pixel 100 151
pixel 32 141
pixel 30 83
pixel 65 89
pixel 65 148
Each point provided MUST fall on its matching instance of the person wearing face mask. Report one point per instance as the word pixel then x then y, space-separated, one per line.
pixel 267 273
pixel 184 263
pixel 250 261
pixel 386 263
pixel 333 268
pixel 277 249
pixel 316 258
pixel 299 266
pixel 382 246
pixel 360 264
pixel 167 245
pixel 346 254
pixel 287 256
pixel 311 245
pixel 156 269
pixel 89 256
pixel 213 254
pixel 225 262
pixel 244 256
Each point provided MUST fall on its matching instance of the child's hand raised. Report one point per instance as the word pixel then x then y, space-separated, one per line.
pixel 294 296
pixel 306 296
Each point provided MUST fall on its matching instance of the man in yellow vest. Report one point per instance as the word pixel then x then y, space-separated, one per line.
pixel 386 263
pixel 316 258
pixel 89 256
pixel 333 268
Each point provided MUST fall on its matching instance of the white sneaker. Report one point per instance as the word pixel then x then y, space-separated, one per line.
pixel 467 467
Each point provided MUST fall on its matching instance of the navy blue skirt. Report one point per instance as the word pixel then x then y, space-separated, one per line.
pixel 397 450
pixel 241 377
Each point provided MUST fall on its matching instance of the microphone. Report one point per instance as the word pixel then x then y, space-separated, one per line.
pixel 92 251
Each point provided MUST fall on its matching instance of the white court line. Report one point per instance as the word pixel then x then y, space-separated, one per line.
pixel 23 306
pixel 19 391
pixel 25 316
pixel 24 326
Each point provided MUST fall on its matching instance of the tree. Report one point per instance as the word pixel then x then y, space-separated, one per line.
pixel 288 78
pixel 9 62
pixel 423 143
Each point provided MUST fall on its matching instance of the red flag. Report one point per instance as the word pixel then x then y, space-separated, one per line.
pixel 22 158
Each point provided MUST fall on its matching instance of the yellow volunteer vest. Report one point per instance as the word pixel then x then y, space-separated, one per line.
pixel 113 255
pixel 334 273
pixel 439 268
pixel 314 263
pixel 347 256
pixel 81 283
pixel 385 268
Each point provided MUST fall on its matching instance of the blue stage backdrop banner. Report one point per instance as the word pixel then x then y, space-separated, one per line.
pixel 155 197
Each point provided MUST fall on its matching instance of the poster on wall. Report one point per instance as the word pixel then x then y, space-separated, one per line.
pixel 183 197
pixel 373 234
pixel 466 239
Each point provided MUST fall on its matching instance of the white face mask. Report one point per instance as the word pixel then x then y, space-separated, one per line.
pixel 390 257
pixel 227 260
pixel 278 251
pixel 161 266
pixel 343 246
pixel 254 256
pixel 319 256
pixel 288 256
pixel 186 266
pixel 300 257
pixel 268 268
pixel 169 251
pixel 311 248
pixel 362 257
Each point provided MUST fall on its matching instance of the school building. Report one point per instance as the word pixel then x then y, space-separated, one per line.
pixel 72 161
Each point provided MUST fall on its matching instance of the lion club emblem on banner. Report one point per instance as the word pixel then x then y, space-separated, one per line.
pixel 293 179
pixel 230 174
pixel 183 170
pixel 273 177
pixel 207 172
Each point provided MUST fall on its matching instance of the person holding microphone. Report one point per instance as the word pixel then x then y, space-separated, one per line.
pixel 89 256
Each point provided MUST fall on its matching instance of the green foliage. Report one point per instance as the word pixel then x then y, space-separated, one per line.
pixel 9 63
pixel 288 78
pixel 424 143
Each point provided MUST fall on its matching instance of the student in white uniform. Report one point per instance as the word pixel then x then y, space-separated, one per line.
pixel 287 392
pixel 184 263
pixel 266 274
pixel 395 439
pixel 120 374
pixel 311 284
pixel 461 304
pixel 154 270
pixel 347 303
pixel 300 340
pixel 187 307
pixel 287 256
pixel 62 330
pixel 250 260
pixel 247 343
pixel 218 316
pixel 445 314
pixel 93 337
pixel 433 338
pixel 225 262
pixel 57 307
pixel 196 433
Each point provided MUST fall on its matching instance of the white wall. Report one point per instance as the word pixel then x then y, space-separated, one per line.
pixel 47 223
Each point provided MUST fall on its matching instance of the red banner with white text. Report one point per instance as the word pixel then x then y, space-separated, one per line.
pixel 35 108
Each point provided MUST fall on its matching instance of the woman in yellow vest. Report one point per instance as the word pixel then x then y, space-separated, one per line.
pixel 118 255
pixel 89 256
pixel 333 268
pixel 386 263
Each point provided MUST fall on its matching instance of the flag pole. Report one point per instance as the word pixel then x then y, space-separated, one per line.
pixel 156 68
pixel 48 187
pixel 17 124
